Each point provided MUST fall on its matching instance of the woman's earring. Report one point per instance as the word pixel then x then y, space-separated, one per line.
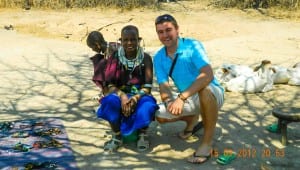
pixel 119 41
pixel 143 44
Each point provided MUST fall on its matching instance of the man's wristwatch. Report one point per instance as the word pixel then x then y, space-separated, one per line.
pixel 180 96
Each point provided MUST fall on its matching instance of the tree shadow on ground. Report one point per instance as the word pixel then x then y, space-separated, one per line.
pixel 39 88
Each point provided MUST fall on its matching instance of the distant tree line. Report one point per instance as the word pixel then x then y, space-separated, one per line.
pixel 129 4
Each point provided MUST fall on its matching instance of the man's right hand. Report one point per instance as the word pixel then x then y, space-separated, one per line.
pixel 175 107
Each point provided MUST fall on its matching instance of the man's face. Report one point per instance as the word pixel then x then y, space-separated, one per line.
pixel 167 33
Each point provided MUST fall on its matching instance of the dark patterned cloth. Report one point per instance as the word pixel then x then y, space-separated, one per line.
pixel 18 151
pixel 99 64
pixel 112 71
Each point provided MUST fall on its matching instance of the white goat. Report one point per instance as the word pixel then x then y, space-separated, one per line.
pixel 230 71
pixel 281 75
pixel 294 75
pixel 260 81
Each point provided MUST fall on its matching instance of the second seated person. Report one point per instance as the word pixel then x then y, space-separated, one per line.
pixel 127 104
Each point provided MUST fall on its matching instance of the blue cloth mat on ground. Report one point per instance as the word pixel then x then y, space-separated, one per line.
pixel 39 130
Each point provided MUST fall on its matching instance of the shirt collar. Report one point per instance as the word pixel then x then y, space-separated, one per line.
pixel 179 49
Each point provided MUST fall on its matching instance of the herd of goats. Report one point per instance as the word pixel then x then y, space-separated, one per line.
pixel 243 79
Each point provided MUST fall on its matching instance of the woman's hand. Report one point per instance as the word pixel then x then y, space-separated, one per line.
pixel 129 105
pixel 124 105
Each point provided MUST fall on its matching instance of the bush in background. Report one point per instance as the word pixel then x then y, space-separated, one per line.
pixel 58 4
pixel 129 4
pixel 288 4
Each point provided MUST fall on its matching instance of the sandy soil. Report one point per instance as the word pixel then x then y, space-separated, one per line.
pixel 45 72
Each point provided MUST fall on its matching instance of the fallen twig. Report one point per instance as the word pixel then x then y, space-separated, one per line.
pixel 99 29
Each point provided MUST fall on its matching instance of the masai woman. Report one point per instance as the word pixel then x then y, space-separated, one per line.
pixel 126 81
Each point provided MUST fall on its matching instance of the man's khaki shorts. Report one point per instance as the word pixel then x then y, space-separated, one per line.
pixel 192 104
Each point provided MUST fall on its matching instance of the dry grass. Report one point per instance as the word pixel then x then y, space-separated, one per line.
pixel 58 4
pixel 129 4
pixel 286 4
pixel 280 9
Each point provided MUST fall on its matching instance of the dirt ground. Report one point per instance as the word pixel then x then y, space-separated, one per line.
pixel 45 72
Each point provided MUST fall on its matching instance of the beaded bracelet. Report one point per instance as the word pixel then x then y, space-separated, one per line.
pixel 111 85
pixel 141 92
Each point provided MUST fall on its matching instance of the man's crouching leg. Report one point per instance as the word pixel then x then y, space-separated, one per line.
pixel 209 113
